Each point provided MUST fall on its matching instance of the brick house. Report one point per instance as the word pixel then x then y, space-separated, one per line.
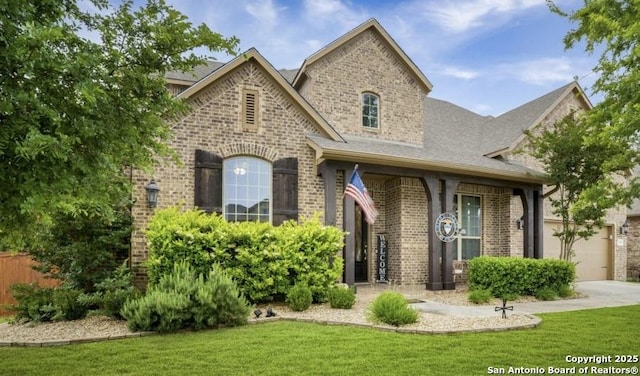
pixel 269 145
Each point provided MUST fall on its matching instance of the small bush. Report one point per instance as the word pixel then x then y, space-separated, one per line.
pixel 392 308
pixel 545 293
pixel 343 298
pixel 480 296
pixel 299 297
pixel 565 291
pixel 186 299
pixel 38 304
pixel 112 293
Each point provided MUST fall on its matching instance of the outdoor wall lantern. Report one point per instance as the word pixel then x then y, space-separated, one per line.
pixel 152 193
pixel 520 223
pixel 624 229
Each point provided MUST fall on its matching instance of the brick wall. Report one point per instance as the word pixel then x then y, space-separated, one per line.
pixel 215 125
pixel 335 83
pixel 633 249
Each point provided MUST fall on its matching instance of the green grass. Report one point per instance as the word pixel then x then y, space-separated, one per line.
pixel 5 318
pixel 294 348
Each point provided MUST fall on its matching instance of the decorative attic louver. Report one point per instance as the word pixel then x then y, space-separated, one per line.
pixel 249 110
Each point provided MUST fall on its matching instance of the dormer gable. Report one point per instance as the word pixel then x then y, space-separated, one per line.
pixel 365 85
pixel 195 93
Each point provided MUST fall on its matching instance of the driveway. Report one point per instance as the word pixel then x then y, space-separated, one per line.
pixel 599 294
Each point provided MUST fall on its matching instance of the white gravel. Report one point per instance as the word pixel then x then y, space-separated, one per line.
pixel 95 328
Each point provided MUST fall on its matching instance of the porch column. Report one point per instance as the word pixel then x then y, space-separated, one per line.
pixel 538 224
pixel 448 192
pixel 349 225
pixel 329 182
pixel 434 278
pixel 527 198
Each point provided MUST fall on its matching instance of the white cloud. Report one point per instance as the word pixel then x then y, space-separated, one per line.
pixel 324 8
pixel 462 16
pixel 321 13
pixel 264 11
pixel 465 74
pixel 543 71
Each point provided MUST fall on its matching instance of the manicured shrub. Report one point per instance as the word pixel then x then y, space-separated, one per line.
pixel 299 297
pixel 186 299
pixel 545 293
pixel 480 296
pixel 265 261
pixel 38 304
pixel 512 276
pixel 342 297
pixel 392 308
pixel 565 291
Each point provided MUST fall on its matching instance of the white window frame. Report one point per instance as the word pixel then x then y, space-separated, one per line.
pixel 462 231
pixel 363 105
pixel 225 187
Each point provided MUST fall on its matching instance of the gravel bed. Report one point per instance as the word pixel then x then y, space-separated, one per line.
pixel 96 327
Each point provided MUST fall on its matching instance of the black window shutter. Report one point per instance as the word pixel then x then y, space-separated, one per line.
pixel 285 190
pixel 208 182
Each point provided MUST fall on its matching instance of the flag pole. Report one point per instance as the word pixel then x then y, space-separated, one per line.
pixel 355 168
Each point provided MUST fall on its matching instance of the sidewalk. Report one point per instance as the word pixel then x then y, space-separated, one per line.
pixel 599 294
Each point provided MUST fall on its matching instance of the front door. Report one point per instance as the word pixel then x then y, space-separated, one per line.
pixel 362 247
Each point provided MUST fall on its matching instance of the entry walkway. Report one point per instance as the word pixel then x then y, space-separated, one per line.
pixel 598 294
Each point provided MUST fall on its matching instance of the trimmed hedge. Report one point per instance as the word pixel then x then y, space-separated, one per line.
pixel 511 276
pixel 265 261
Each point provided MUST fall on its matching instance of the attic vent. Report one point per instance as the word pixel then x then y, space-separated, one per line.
pixel 250 110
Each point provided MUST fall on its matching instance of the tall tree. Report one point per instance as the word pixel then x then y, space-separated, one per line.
pixel 580 174
pixel 611 27
pixel 75 114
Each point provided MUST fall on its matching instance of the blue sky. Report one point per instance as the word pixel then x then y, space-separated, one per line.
pixel 488 56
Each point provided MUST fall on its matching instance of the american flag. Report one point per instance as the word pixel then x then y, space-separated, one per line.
pixel 358 192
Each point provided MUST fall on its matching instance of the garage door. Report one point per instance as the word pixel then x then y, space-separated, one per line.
pixel 593 256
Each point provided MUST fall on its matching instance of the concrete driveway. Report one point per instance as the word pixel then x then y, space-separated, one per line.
pixel 599 294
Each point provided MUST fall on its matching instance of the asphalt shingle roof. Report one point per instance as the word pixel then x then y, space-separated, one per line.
pixel 500 132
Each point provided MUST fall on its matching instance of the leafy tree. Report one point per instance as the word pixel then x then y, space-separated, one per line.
pixel 584 187
pixel 611 27
pixel 77 114
pixel 84 251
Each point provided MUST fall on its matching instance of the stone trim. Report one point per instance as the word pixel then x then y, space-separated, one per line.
pixel 245 148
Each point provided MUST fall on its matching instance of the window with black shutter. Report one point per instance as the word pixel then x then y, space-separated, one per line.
pixel 285 190
pixel 208 182
pixel 254 189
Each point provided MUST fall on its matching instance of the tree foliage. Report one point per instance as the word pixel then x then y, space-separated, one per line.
pixel 612 28
pixel 76 113
pixel 585 181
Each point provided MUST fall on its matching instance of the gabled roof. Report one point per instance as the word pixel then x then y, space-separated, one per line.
pixel 448 124
pixel 198 72
pixel 209 66
pixel 505 132
pixel 373 24
pixel 253 55
pixel 438 157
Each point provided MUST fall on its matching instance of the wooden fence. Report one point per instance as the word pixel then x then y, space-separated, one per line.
pixel 16 268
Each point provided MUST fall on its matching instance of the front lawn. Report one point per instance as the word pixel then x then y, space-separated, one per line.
pixel 295 348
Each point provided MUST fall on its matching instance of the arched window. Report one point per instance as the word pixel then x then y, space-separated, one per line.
pixel 246 194
pixel 370 110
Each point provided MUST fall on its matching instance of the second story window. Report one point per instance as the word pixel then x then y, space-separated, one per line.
pixel 370 110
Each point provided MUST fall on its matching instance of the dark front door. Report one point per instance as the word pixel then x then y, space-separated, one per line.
pixel 362 247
